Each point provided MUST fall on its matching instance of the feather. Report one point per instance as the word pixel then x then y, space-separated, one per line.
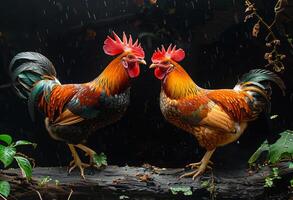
pixel 27 68
pixel 33 75
pixel 260 75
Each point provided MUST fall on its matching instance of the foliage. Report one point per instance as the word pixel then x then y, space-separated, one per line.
pixel 264 147
pixel 205 184
pixel 44 181
pixel 269 180
pixel 281 149
pixel 273 57
pixel 8 153
pixel 186 190
pixel 100 160
pixel 4 188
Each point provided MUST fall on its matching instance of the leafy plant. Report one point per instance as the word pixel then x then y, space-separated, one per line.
pixel 44 181
pixel 8 153
pixel 205 184
pixel 4 188
pixel 281 149
pixel 269 180
pixel 186 190
pixel 100 160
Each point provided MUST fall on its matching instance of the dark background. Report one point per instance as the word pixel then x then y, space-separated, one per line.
pixel 219 48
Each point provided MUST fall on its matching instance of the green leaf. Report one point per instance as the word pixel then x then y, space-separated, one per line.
pixel 24 142
pixel 275 172
pixel 290 165
pixel 4 188
pixel 25 166
pixel 291 182
pixel 282 148
pixel 100 160
pixel 264 147
pixel 268 182
pixel 7 154
pixel 44 181
pixel 6 138
pixel 186 190
pixel 205 184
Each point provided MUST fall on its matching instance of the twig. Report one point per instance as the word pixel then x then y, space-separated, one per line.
pixel 1 196
pixel 71 191
pixel 273 57
pixel 39 194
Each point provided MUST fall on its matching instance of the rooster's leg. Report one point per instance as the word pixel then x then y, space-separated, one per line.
pixel 201 166
pixel 88 152
pixel 76 162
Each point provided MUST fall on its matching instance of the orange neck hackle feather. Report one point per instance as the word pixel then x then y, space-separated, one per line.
pixel 114 79
pixel 178 84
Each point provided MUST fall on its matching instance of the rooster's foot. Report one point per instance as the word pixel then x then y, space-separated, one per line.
pixel 193 174
pixel 76 162
pixel 200 166
pixel 89 152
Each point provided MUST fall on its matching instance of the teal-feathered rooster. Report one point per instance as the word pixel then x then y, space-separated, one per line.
pixel 74 111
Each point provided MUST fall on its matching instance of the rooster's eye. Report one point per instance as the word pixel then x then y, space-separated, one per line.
pixel 130 57
pixel 165 63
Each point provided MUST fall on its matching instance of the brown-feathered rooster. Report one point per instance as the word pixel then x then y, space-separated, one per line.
pixel 74 111
pixel 214 117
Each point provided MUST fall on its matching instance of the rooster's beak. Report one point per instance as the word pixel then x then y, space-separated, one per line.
pixel 152 66
pixel 142 61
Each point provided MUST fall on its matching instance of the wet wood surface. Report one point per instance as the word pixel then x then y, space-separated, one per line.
pixel 145 183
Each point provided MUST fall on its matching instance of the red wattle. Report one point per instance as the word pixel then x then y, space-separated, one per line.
pixel 159 73
pixel 133 71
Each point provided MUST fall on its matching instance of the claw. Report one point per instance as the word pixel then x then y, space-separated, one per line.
pixel 81 167
pixel 88 152
pixel 200 166
pixel 194 173
pixel 76 162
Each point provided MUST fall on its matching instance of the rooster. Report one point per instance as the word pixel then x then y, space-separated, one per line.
pixel 74 111
pixel 214 117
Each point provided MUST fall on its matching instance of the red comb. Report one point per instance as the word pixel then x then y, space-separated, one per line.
pixel 116 46
pixel 171 53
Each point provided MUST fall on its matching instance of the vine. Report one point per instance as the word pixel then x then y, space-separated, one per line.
pixel 273 57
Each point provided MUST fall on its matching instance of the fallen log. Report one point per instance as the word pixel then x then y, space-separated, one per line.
pixel 146 183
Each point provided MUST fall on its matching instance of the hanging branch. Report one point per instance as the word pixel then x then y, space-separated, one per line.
pixel 273 57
